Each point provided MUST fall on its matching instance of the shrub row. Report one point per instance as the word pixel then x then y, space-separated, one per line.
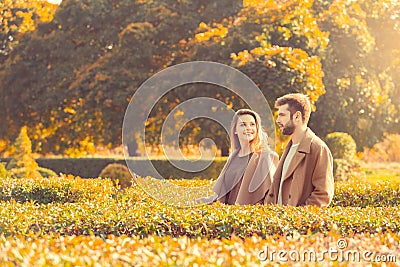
pixel 80 206
pixel 176 192
pixel 183 251
pixel 62 189
pixel 361 194
pixel 91 167
pixel 131 213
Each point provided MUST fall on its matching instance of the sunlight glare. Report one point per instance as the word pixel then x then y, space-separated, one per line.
pixel 56 2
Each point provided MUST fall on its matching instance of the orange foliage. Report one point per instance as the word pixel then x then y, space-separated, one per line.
pixel 385 151
pixel 11 10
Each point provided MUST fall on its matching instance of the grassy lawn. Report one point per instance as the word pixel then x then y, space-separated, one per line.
pixel 381 171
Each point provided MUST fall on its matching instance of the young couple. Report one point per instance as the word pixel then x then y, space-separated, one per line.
pixel 253 174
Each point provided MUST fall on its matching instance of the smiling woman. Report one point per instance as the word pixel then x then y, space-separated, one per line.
pixel 248 173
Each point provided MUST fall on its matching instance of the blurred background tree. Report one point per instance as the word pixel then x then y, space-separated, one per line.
pixel 361 69
pixel 70 77
pixel 73 77
pixel 19 17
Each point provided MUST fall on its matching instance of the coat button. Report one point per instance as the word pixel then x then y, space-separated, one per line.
pixel 271 195
pixel 290 196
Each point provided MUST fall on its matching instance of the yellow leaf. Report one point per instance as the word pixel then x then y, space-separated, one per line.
pixel 69 110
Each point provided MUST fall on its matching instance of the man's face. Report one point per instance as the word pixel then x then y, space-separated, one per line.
pixel 285 123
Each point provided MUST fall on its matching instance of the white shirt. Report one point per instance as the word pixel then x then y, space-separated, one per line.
pixel 286 164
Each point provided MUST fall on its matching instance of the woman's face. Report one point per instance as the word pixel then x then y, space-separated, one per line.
pixel 246 128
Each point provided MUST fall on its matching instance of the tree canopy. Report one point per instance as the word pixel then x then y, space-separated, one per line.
pixel 71 76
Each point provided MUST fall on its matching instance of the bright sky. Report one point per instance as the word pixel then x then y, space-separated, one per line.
pixel 57 2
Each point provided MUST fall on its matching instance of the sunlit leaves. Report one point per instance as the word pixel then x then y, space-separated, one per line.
pixel 84 66
pixel 288 23
pixel 361 194
pixel 72 221
pixel 21 16
pixel 352 43
pixel 217 32
pixel 70 79
pixel 82 206
pixel 281 38
pixel 166 251
pixel 29 12
pixel 295 60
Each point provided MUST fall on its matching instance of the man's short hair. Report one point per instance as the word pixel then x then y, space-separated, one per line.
pixel 296 102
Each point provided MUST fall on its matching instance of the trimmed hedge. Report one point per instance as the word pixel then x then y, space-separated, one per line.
pixel 345 161
pixel 65 189
pixel 342 145
pixel 40 171
pixel 119 174
pixel 99 209
pixel 361 194
pixel 144 218
pixel 3 171
pixel 92 167
pixel 168 251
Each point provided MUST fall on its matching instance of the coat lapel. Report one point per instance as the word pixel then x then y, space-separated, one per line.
pixel 261 165
pixel 302 150
pixel 297 158
pixel 278 172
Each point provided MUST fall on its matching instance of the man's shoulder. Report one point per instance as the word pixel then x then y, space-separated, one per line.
pixel 317 142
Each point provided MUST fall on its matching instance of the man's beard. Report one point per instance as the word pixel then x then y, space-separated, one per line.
pixel 289 128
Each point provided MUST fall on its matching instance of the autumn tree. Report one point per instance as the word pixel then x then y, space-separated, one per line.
pixel 73 77
pixel 23 160
pixel 359 63
pixel 18 17
pixel 337 52
pixel 276 44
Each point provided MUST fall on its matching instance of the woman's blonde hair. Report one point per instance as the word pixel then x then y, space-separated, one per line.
pixel 259 143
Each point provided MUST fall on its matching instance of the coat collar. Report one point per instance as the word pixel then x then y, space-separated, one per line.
pixel 305 143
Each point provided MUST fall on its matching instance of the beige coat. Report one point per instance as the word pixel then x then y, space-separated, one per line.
pixel 255 183
pixel 309 178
